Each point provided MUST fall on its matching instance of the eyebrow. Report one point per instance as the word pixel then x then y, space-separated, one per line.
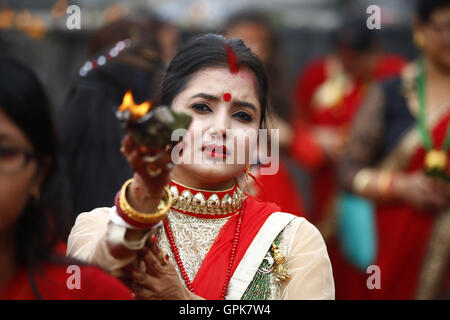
pixel 238 103
pixel 6 138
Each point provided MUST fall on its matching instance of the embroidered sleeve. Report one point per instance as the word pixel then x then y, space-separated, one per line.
pixel 88 241
pixel 311 276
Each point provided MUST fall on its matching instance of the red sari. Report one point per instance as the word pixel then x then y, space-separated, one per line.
pixel 413 249
pixel 339 115
pixel 51 282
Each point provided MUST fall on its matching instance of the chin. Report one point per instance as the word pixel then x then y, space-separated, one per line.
pixel 214 173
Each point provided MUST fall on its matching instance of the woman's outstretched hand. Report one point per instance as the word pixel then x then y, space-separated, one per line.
pixel 151 168
pixel 153 277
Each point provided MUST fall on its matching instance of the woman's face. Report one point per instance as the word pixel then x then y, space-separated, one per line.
pixel 17 176
pixel 436 35
pixel 225 111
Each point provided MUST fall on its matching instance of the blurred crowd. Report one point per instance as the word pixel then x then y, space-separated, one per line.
pixel 358 128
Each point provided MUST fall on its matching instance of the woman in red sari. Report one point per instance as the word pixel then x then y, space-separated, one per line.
pixel 327 96
pixel 216 242
pixel 32 198
pixel 399 157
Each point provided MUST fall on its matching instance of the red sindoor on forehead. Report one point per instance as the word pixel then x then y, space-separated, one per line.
pixel 232 61
pixel 227 96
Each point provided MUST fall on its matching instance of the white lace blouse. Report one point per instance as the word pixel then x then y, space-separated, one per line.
pixel 301 243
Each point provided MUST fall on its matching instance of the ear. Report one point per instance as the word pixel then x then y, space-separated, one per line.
pixel 417 27
pixel 42 170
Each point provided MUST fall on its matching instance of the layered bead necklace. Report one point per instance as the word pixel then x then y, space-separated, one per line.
pixel 208 205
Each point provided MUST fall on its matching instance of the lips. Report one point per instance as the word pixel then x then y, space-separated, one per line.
pixel 215 151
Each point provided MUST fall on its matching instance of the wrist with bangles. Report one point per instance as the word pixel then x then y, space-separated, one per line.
pixel 139 219
pixel 384 181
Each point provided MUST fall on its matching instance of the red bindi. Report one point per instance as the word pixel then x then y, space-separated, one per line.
pixel 227 96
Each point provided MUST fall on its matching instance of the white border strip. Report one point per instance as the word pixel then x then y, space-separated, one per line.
pixel 255 253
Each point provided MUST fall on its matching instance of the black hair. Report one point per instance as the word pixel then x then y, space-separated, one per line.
pixel 212 50
pixel 43 222
pixel 257 17
pixel 90 133
pixel 425 8
pixel 353 33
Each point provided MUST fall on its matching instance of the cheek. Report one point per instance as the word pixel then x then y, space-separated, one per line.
pixel 245 141
pixel 194 133
pixel 14 194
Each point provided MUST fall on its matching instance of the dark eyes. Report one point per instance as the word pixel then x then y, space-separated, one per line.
pixel 201 107
pixel 9 153
pixel 243 116
pixel 204 108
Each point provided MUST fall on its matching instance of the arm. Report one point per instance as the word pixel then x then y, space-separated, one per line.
pixel 309 265
pixel 96 239
pixel 357 173
pixel 102 236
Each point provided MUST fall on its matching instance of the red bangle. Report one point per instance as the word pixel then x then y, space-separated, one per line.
pixel 127 219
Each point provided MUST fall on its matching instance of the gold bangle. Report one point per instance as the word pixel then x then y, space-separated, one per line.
pixel 384 182
pixel 361 180
pixel 147 218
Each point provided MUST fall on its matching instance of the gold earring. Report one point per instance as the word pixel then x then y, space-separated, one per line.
pixel 418 39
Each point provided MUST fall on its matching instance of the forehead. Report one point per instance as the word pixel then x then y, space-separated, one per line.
pixel 10 132
pixel 218 80
pixel 441 15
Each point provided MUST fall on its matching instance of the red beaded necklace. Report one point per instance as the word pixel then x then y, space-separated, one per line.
pixel 232 255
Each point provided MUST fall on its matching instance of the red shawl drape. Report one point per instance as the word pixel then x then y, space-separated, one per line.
pixel 211 276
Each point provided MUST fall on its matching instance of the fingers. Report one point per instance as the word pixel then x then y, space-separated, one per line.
pixel 151 270
pixel 151 166
pixel 128 145
pixel 156 258
pixel 432 192
pixel 142 293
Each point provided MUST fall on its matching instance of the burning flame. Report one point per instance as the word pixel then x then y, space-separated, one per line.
pixel 136 111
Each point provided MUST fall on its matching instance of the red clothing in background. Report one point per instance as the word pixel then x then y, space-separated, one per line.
pixel 304 148
pixel 52 284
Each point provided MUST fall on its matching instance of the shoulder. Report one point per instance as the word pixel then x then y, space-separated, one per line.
pixel 314 68
pixel 389 65
pixel 301 234
pixel 96 216
pixel 88 227
pixel 254 204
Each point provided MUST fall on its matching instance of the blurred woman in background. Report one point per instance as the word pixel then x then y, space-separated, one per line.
pixel 126 56
pixel 327 95
pixel 34 199
pixel 399 157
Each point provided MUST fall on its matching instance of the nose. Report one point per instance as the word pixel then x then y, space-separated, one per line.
pixel 222 122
